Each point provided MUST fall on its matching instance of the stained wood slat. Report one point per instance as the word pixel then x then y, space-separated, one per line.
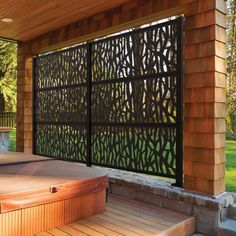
pixel 99 228
pixel 141 219
pixel 142 227
pixel 32 18
pixel 149 209
pixel 119 222
pixel 10 223
pixel 184 228
pixel 131 218
pixel 72 231
pixel 86 230
pixel 121 229
pixel 58 217
pixel 58 232
pixel 32 220
pixel 44 234
pixel 151 217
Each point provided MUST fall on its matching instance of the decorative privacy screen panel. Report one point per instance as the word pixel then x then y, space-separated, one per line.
pixel 60 104
pixel 115 102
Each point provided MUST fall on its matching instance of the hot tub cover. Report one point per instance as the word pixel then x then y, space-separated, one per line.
pixel 28 180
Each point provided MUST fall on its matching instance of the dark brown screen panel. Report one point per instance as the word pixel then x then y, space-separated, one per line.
pixel 115 102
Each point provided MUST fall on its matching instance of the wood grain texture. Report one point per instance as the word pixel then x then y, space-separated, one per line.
pixel 204 96
pixel 10 223
pixel 32 18
pixel 33 220
pixel 209 156
pixel 133 13
pixel 24 102
pixel 131 218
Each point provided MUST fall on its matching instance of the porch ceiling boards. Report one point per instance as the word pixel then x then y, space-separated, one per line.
pixel 32 18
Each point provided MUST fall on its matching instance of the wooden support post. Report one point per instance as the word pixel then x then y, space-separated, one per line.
pixel 24 101
pixel 204 132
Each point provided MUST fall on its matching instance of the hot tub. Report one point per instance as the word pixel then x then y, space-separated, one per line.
pixel 5 138
pixel 38 193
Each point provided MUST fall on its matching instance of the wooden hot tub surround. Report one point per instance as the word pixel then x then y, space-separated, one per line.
pixel 38 193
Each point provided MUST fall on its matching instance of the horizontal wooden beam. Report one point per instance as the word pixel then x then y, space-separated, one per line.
pixel 130 15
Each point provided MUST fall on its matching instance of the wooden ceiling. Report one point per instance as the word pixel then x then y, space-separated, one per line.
pixel 32 18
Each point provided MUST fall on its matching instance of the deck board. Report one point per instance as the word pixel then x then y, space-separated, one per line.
pixel 57 232
pixel 127 217
pixel 72 231
pixel 99 227
pixel 44 234
pixel 122 229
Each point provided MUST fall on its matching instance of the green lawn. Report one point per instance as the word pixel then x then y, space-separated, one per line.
pixel 13 140
pixel 230 163
pixel 231 166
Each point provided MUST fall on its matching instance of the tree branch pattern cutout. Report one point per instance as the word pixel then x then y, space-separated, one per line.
pixel 133 94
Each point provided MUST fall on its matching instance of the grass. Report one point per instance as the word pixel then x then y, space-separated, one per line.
pixel 230 161
pixel 12 141
pixel 230 180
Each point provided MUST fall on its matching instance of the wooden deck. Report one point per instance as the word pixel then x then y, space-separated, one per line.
pixel 126 217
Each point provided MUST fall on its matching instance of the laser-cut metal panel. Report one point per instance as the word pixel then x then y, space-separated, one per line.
pixel 61 141
pixel 134 100
pixel 114 102
pixel 142 52
pixel 141 149
pixel 60 106
pixel 148 100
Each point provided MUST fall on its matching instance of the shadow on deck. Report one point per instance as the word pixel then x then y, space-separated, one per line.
pixel 127 217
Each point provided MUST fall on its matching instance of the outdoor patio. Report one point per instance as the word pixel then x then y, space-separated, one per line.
pixel 126 96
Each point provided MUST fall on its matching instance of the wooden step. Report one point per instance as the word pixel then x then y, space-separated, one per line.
pixel 131 218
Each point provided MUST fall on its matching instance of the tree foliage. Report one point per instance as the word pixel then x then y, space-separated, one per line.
pixel 7 76
pixel 231 67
